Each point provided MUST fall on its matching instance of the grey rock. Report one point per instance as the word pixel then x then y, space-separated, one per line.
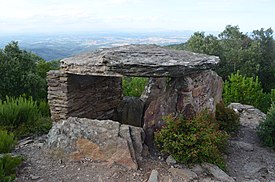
pixel 253 180
pixel 138 60
pixel 170 160
pixel 154 176
pixel 138 138
pixel 249 115
pixel 243 145
pixel 253 167
pixel 217 172
pixel 184 174
pixel 130 111
pixel 33 177
pixel 197 169
pixel 100 140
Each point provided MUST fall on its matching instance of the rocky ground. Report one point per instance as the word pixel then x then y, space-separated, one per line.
pixel 247 161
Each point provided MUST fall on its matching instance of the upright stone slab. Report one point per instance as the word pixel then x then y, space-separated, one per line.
pixel 187 96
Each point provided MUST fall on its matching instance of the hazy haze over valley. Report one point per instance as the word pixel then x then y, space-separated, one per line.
pixel 60 45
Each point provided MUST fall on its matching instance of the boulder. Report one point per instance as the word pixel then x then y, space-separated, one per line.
pixel 249 115
pixel 99 140
pixel 187 95
pixel 130 111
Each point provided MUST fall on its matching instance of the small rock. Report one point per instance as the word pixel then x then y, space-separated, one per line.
pixel 25 141
pixel 253 180
pixel 154 176
pixel 217 172
pixel 170 160
pixel 33 177
pixel 197 169
pixel 243 145
pixel 253 167
pixel 167 179
pixel 185 174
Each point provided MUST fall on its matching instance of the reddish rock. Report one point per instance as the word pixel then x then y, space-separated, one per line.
pixel 187 95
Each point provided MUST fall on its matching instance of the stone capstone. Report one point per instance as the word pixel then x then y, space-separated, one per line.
pixel 138 60
pixel 130 111
pixel 98 140
pixel 187 95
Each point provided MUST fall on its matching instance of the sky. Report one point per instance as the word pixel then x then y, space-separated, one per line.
pixel 49 16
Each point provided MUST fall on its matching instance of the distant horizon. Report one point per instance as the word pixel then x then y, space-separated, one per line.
pixel 66 16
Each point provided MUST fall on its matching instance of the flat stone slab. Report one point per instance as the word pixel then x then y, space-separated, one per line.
pixel 138 60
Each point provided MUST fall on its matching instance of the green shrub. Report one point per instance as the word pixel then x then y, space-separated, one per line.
pixel 24 116
pixel 37 127
pixel 266 129
pixel 272 95
pixel 133 86
pixel 227 118
pixel 16 111
pixel 8 166
pixel 7 142
pixel 192 141
pixel 44 108
pixel 245 90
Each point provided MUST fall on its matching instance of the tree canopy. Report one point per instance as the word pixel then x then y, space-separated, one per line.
pixel 252 54
pixel 23 73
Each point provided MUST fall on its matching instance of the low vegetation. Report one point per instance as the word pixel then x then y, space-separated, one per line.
pixel 8 163
pixel 246 90
pixel 266 129
pixel 193 140
pixel 227 118
pixel 133 86
pixel 24 116
pixel 7 142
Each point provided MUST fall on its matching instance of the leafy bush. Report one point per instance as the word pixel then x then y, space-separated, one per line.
pixel 7 141
pixel 192 141
pixel 133 86
pixel 266 129
pixel 245 90
pixel 8 166
pixel 227 118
